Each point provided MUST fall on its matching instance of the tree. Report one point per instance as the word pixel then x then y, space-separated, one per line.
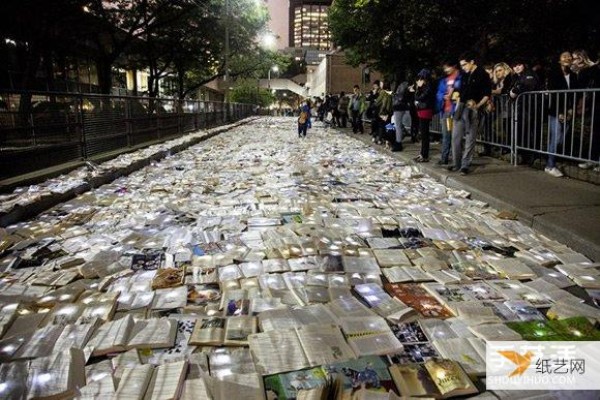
pixel 401 36
pixel 247 91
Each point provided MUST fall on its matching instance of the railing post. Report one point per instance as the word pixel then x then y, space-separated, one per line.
pixel 128 121
pixel 81 127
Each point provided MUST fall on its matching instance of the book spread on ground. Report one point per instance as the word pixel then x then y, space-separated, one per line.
pixel 304 347
pixel 435 378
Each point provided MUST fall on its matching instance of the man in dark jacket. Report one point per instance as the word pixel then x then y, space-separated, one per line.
pixel 475 91
pixel 525 81
pixel 401 109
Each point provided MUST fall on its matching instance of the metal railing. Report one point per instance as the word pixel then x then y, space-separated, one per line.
pixel 42 129
pixel 563 124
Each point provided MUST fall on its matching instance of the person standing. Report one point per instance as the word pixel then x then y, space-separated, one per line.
pixel 424 102
pixel 356 108
pixel 447 94
pixel 372 109
pixel 402 120
pixel 343 110
pixel 560 109
pixel 475 91
pixel 304 119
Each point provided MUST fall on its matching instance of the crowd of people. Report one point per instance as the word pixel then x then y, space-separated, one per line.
pixel 462 95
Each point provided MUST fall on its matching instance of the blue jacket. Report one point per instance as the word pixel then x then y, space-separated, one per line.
pixel 441 92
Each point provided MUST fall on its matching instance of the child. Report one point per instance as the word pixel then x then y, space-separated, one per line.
pixel 304 119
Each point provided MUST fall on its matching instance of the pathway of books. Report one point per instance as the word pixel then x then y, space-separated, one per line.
pixel 257 264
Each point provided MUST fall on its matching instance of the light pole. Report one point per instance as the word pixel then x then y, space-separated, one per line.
pixel 226 77
pixel 275 68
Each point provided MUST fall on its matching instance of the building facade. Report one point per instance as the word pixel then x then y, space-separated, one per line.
pixel 309 27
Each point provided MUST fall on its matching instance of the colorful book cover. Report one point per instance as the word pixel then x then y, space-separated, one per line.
pixel 414 353
pixel 569 329
pixel 286 386
pixel 369 372
pixel 413 295
pixel 410 332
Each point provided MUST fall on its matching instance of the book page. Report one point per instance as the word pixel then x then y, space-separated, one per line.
pixel 463 352
pixel 134 382
pixel 268 357
pixel 324 344
pixel 239 387
pixel 208 331
pixel 41 342
pixel 153 333
pixel 111 336
pixel 237 330
pixel 167 381
pixel 57 375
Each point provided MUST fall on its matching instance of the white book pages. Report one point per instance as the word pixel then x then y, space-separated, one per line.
pixel 349 307
pixel 364 265
pixel 208 331
pixel 313 314
pixel 153 333
pixel 41 343
pixel 134 382
pixel 437 329
pixel 111 336
pixel 491 332
pixel 324 344
pixel 268 357
pixel 375 344
pixel 239 386
pixel 167 381
pixel 462 351
pixel 391 257
pixel 102 389
pixel 75 336
pixel 13 378
pixel 237 330
pixel 251 269
pixel 170 298
pixel 277 319
pixel 195 389
pixel 60 375
pixel 396 275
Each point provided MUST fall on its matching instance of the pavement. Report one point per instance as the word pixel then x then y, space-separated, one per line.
pixel 563 209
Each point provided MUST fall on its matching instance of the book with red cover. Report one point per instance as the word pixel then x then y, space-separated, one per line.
pixel 413 295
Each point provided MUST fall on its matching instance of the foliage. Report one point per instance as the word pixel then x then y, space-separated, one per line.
pixel 247 91
pixel 400 36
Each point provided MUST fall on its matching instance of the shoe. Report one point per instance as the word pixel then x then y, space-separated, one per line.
pixel 586 165
pixel 373 140
pixel 442 162
pixel 452 168
pixel 555 172
pixel 464 171
pixel 420 159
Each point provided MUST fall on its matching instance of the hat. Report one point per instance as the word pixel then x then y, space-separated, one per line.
pixel 424 73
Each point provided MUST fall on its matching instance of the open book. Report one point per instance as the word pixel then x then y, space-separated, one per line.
pixel 303 347
pixel 229 331
pixel 435 378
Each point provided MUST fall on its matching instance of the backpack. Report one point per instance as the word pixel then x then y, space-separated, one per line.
pixel 303 117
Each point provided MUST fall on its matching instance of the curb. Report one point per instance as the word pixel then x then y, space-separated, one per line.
pixel 21 213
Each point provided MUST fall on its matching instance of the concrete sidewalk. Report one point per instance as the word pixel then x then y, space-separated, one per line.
pixel 564 209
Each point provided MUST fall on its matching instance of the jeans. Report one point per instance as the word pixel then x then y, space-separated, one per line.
pixel 446 121
pixel 342 119
pixel 466 123
pixel 403 122
pixel 558 130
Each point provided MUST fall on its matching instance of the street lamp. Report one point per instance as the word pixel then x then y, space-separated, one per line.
pixel 275 68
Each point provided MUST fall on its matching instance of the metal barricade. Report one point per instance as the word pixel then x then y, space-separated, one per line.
pixel 559 123
pixel 41 129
